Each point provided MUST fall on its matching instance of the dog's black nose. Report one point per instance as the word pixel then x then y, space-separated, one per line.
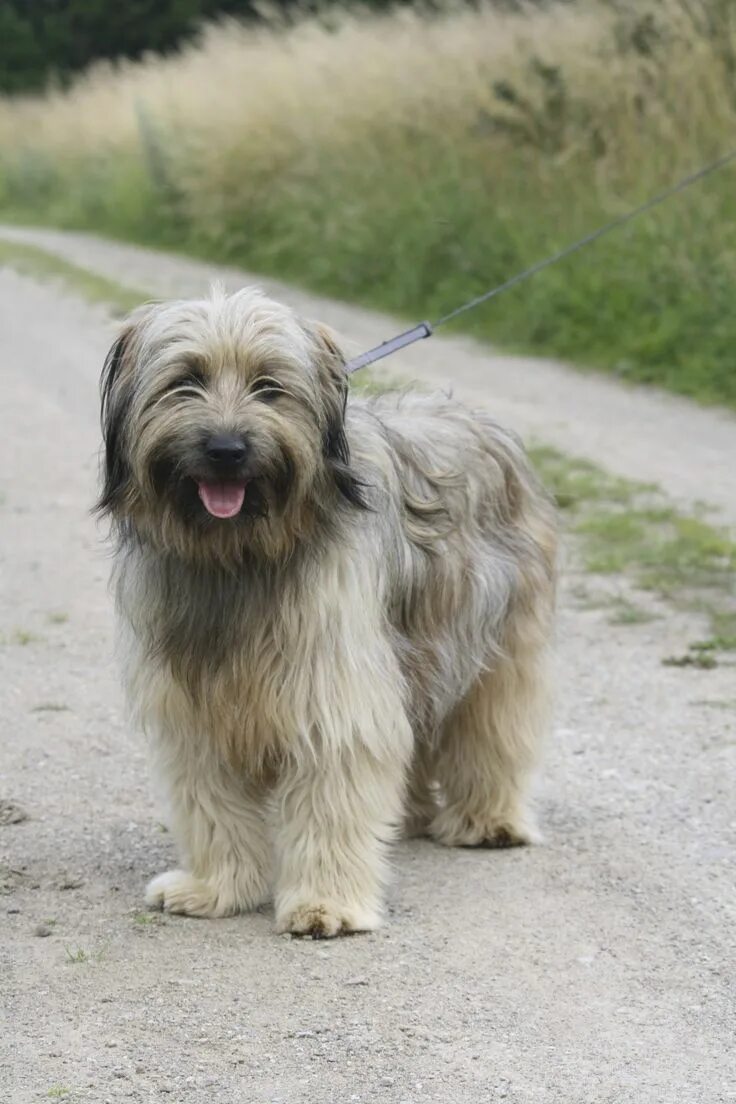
pixel 224 448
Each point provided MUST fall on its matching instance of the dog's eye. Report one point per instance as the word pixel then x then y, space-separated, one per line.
pixel 191 380
pixel 266 388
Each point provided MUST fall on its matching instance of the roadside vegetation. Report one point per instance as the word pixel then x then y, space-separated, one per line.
pixel 628 531
pixel 32 261
pixel 409 159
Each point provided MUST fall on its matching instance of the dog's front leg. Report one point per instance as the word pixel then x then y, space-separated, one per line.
pixel 218 821
pixel 338 808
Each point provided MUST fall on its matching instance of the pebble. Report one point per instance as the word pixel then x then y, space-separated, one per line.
pixel 10 813
pixel 71 883
pixel 42 930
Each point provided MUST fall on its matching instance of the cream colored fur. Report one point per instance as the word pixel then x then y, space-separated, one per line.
pixel 317 676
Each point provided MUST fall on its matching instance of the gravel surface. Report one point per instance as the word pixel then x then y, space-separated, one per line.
pixel 596 968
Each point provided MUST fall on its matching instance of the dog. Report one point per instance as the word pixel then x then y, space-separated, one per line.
pixel 334 611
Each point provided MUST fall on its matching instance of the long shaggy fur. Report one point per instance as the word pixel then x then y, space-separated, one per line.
pixel 362 647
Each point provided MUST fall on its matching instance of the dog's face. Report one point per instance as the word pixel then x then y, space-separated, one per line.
pixel 223 426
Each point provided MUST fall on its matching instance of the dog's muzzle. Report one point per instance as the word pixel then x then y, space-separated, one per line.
pixel 223 494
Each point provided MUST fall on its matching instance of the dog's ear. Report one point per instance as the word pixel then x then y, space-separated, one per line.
pixel 335 443
pixel 116 391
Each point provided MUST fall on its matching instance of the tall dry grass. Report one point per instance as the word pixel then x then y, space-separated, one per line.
pixel 409 159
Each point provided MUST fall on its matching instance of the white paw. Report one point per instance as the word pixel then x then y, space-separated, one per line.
pixel 178 891
pixel 457 828
pixel 325 920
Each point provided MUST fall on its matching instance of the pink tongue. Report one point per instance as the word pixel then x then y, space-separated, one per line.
pixel 222 500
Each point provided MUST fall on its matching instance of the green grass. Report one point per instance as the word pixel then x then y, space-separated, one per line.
pixel 32 261
pixel 625 612
pixel 410 161
pixel 24 637
pixel 624 528
pixel 76 955
pixel 704 661
pixel 575 482
pixel 148 919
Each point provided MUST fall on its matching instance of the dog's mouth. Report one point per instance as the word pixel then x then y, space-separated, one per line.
pixel 222 499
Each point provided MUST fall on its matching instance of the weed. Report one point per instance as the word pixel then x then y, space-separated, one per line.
pixel 97 289
pixel 624 612
pixel 714 644
pixel 692 659
pixel 148 919
pixel 628 528
pixel 76 956
pixel 574 481
pixel 79 955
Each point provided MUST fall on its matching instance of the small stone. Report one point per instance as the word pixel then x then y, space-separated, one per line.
pixel 10 813
pixel 70 883
pixel 357 981
pixel 42 930
pixel 13 911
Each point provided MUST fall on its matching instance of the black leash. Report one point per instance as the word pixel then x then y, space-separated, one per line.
pixel 426 329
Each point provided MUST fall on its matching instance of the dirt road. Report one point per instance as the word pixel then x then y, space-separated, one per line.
pixel 597 968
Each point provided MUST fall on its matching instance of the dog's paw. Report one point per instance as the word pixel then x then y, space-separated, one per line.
pixel 178 891
pixel 454 828
pixel 326 920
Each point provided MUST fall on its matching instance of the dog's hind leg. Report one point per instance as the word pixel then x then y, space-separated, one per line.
pixel 421 801
pixel 490 745
pixel 218 821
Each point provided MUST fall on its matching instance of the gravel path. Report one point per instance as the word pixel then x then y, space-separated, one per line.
pixel 597 968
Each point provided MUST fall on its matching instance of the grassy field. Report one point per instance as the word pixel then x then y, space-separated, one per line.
pixel 409 160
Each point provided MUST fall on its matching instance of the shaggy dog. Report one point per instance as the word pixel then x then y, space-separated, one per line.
pixel 334 611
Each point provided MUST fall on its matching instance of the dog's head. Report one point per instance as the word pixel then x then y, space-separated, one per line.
pixel 223 424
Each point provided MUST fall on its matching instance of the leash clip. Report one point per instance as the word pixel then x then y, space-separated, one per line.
pixel 417 333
